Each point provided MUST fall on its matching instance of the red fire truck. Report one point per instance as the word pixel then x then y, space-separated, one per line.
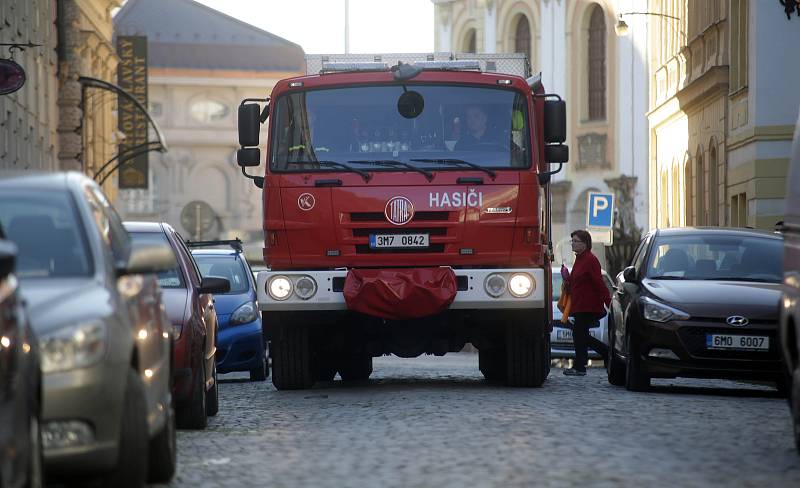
pixel 406 211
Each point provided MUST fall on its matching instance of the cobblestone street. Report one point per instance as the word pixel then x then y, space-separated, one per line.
pixel 436 422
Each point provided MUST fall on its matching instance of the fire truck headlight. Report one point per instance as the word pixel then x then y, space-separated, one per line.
pixel 305 287
pixel 521 285
pixel 279 287
pixel 495 285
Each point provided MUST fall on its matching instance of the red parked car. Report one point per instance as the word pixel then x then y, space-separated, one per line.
pixel 190 307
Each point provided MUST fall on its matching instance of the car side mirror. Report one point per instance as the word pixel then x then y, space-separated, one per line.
pixel 148 258
pixel 249 124
pixel 213 284
pixel 629 274
pixel 8 258
pixel 248 157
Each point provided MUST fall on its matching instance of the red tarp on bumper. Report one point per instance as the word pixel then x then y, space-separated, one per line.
pixel 399 294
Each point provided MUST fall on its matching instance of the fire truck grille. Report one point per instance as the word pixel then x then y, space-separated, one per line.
pixel 433 248
pixel 434 231
pixel 426 216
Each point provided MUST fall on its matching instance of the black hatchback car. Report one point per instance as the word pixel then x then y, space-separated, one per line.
pixel 698 302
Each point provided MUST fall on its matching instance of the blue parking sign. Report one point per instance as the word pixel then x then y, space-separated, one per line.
pixel 600 210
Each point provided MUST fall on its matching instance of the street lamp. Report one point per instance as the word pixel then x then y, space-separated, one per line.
pixel 622 27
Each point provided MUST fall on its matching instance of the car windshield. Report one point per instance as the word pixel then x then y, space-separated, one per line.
pixel 363 127
pixel 557 281
pixel 48 233
pixel 172 278
pixel 717 257
pixel 228 267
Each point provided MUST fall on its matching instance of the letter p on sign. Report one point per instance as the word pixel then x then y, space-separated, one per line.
pixel 600 210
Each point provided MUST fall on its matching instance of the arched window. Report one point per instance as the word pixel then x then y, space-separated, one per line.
pixel 522 38
pixel 713 190
pixel 597 64
pixel 469 45
pixel 701 188
pixel 687 195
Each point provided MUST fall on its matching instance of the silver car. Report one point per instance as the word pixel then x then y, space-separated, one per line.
pixel 104 336
pixel 561 345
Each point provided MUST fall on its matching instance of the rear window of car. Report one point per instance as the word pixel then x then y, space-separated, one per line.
pixel 172 278
pixel 717 257
pixel 48 232
pixel 228 267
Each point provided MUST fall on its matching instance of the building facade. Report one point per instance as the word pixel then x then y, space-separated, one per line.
pixel 602 77
pixel 199 71
pixel 721 120
pixel 53 123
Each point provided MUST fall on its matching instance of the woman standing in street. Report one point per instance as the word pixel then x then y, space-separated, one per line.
pixel 589 299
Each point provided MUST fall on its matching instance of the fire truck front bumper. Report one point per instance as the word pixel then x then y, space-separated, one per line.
pixel 478 289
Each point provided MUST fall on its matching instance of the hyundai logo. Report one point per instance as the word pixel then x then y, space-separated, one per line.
pixel 399 210
pixel 737 321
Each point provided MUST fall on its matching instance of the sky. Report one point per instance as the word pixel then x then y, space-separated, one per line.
pixel 376 26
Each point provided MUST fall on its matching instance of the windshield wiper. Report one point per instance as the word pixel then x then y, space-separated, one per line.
pixel 335 164
pixel 664 277
pixel 391 163
pixel 457 162
pixel 738 278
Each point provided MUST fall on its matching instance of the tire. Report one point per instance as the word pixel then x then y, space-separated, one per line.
pixel 635 378
pixel 492 364
pixel 794 402
pixel 35 478
pixel 524 364
pixel 194 415
pixel 291 359
pixel 131 467
pixel 212 396
pixel 163 452
pixel 324 368
pixel 355 368
pixel 615 368
pixel 259 373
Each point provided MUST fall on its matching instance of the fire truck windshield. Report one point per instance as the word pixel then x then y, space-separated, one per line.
pixel 482 126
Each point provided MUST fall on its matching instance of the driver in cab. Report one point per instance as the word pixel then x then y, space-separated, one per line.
pixel 477 129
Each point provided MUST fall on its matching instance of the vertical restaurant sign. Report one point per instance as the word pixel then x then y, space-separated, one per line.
pixel 132 76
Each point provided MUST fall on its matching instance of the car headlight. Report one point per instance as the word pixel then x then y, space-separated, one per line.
pixel 660 312
pixel 279 287
pixel 245 314
pixel 73 347
pixel 520 285
pixel 305 287
pixel 495 285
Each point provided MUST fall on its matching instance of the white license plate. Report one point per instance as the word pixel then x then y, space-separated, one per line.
pixel 564 335
pixel 739 342
pixel 398 241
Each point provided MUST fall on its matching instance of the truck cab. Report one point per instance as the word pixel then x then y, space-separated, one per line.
pixel 406 211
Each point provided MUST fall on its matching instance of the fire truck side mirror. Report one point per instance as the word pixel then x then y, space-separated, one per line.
pixel 556 153
pixel 249 124
pixel 248 156
pixel 555 121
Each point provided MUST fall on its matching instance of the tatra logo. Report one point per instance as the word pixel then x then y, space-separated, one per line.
pixel 499 210
pixel 737 321
pixel 306 201
pixel 399 210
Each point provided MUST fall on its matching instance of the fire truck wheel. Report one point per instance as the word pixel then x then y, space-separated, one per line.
pixel 291 358
pixel 355 368
pixel 524 362
pixel 324 367
pixel 491 363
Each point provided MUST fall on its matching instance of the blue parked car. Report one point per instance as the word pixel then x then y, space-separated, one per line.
pixel 240 340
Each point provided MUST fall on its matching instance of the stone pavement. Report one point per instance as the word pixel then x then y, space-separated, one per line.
pixel 435 422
